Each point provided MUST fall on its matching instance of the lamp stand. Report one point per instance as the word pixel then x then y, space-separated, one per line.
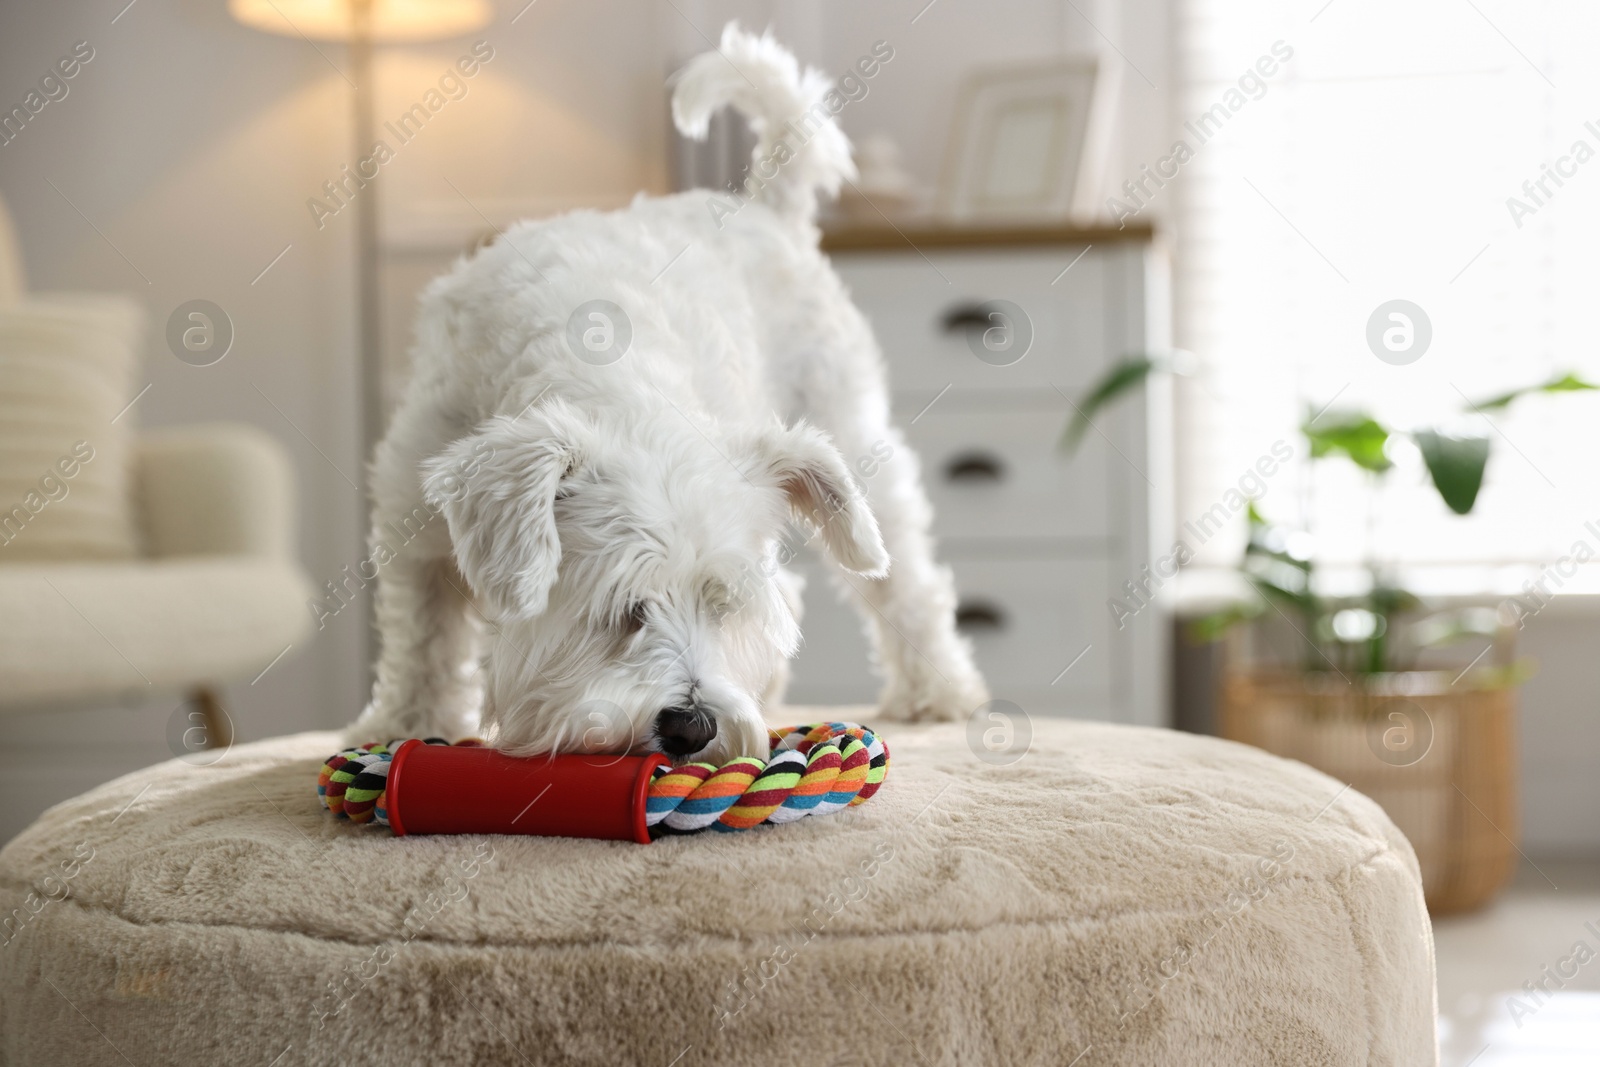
pixel 368 320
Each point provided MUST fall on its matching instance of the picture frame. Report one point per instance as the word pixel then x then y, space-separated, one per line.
pixel 1027 142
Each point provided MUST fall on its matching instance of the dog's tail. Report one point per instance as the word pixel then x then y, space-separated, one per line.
pixel 799 149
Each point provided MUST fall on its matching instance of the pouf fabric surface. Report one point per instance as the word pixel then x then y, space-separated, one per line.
pixel 1115 896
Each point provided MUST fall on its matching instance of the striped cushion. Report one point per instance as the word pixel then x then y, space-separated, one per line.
pixel 66 365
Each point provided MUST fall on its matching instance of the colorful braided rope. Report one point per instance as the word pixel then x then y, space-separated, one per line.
pixel 351 784
pixel 815 769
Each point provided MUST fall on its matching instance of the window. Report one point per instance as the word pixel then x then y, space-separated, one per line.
pixel 1442 153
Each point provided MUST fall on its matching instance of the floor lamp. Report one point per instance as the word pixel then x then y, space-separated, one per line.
pixel 362 24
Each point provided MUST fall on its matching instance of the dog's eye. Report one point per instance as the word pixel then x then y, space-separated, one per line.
pixel 633 618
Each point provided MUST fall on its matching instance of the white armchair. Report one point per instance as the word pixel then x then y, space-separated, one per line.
pixel 216 595
pixel 211 593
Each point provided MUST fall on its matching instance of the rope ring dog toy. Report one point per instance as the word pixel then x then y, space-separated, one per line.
pixel 815 769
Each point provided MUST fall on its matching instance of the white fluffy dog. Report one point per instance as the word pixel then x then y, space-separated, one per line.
pixel 617 416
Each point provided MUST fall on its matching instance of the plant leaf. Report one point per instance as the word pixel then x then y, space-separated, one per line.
pixel 1283 582
pixel 1456 464
pixel 1212 627
pixel 1565 383
pixel 1356 435
pixel 1388 599
pixel 1123 376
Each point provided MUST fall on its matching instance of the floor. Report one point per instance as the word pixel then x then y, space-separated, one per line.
pixel 1543 932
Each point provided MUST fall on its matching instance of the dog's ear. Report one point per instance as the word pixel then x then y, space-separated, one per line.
pixel 497 489
pixel 804 464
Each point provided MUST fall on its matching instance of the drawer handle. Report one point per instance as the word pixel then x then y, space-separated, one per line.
pixel 964 317
pixel 974 467
pixel 979 616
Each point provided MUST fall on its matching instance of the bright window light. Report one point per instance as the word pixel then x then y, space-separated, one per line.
pixel 1436 152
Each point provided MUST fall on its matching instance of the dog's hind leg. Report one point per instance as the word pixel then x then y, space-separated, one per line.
pixel 927 664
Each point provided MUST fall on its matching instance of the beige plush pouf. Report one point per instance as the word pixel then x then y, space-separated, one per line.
pixel 1116 896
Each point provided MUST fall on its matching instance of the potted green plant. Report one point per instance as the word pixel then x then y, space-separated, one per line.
pixel 1357 700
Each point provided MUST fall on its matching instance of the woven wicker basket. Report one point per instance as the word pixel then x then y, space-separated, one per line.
pixel 1439 759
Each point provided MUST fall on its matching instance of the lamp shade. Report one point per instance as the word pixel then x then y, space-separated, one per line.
pixel 387 20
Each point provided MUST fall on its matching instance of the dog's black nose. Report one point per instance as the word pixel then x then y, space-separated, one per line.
pixel 683 730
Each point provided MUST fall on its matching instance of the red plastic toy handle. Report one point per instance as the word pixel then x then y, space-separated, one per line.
pixel 450 789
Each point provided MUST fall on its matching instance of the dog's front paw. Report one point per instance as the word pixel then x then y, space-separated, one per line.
pixel 933 699
pixel 382 725
pixel 374 733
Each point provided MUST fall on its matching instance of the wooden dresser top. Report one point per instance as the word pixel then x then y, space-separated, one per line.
pixel 928 233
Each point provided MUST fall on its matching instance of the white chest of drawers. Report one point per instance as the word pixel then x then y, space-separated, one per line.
pixel 1040 542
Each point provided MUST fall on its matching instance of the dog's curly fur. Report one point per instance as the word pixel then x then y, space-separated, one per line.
pixel 618 525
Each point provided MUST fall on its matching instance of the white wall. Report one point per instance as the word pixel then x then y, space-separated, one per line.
pixel 1560 714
